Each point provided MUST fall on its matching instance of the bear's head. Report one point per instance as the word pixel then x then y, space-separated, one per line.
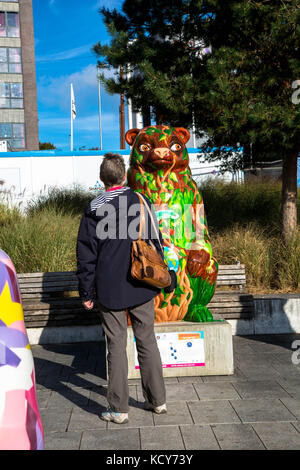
pixel 158 148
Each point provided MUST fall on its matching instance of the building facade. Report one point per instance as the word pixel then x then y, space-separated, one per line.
pixel 18 95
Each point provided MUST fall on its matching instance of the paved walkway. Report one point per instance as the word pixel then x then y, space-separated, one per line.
pixel 256 408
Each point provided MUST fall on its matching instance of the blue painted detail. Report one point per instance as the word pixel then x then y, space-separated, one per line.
pixel 91 153
pixel 171 258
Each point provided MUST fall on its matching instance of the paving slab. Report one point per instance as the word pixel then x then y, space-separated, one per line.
pixel 213 412
pixel 278 436
pixel 260 389
pixel 99 393
pixel 291 385
pixel 293 405
pixel 258 410
pixel 63 441
pixel 199 437
pixel 161 438
pixel 268 346
pixel 54 421
pixel 43 398
pixel 297 426
pixel 175 392
pixel 86 379
pixel 190 379
pixel 237 437
pixel 236 377
pixel 178 413
pixel 216 391
pixel 287 370
pixel 69 397
pixel 259 372
pixel 111 439
pixel 85 418
pixel 138 418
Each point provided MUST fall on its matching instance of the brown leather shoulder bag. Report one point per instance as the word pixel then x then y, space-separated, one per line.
pixel 146 263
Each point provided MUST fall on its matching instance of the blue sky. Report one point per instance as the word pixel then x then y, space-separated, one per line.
pixel 65 31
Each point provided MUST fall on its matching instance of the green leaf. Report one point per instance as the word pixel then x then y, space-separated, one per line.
pixel 168 131
pixel 137 155
pixel 160 173
pixel 179 291
pixel 154 196
pixel 173 177
pixel 165 197
pixel 163 304
pixel 150 131
pixel 182 263
pixel 175 301
pixel 152 186
pixel 138 176
pixel 162 137
pixel 149 176
pixel 184 154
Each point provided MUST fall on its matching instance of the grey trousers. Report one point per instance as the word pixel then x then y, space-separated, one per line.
pixel 114 324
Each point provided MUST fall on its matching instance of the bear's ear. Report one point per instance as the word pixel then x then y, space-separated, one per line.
pixel 183 134
pixel 130 135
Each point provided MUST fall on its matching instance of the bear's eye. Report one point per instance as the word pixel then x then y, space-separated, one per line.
pixel 144 147
pixel 176 147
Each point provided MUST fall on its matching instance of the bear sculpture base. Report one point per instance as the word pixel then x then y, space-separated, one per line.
pixel 213 348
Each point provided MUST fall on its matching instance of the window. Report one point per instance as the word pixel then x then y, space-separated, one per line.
pixel 11 95
pixel 14 134
pixel 10 60
pixel 9 24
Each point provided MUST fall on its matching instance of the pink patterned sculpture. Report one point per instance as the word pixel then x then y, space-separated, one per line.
pixel 20 423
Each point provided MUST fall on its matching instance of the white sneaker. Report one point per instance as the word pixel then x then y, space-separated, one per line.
pixel 114 416
pixel 157 409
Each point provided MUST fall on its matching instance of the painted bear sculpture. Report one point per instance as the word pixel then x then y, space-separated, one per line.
pixel 159 169
pixel 20 422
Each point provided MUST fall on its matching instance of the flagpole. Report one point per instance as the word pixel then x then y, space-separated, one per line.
pixel 71 143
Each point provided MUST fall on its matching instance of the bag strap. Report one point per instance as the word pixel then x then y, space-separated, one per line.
pixel 142 222
pixel 143 203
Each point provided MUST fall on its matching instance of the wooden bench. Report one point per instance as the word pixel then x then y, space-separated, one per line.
pixel 233 303
pixel 51 299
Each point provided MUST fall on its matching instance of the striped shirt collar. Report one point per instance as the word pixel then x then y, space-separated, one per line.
pixel 107 196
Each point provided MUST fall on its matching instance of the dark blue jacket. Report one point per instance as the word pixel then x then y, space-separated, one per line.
pixel 103 264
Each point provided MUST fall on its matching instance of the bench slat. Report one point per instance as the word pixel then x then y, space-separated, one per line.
pixel 233 282
pixel 67 303
pixel 234 316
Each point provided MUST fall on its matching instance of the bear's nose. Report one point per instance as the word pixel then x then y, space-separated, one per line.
pixel 161 152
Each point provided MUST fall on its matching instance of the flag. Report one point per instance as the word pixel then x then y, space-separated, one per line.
pixel 73 107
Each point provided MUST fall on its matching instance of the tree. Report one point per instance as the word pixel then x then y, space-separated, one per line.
pixel 240 92
pixel 46 146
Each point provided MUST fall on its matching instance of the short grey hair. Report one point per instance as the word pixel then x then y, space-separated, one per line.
pixel 112 169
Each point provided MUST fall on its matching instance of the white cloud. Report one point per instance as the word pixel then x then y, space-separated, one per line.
pixel 67 54
pixel 110 4
pixel 54 92
pixel 53 6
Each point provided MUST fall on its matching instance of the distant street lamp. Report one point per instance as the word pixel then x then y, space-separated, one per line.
pixel 99 94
